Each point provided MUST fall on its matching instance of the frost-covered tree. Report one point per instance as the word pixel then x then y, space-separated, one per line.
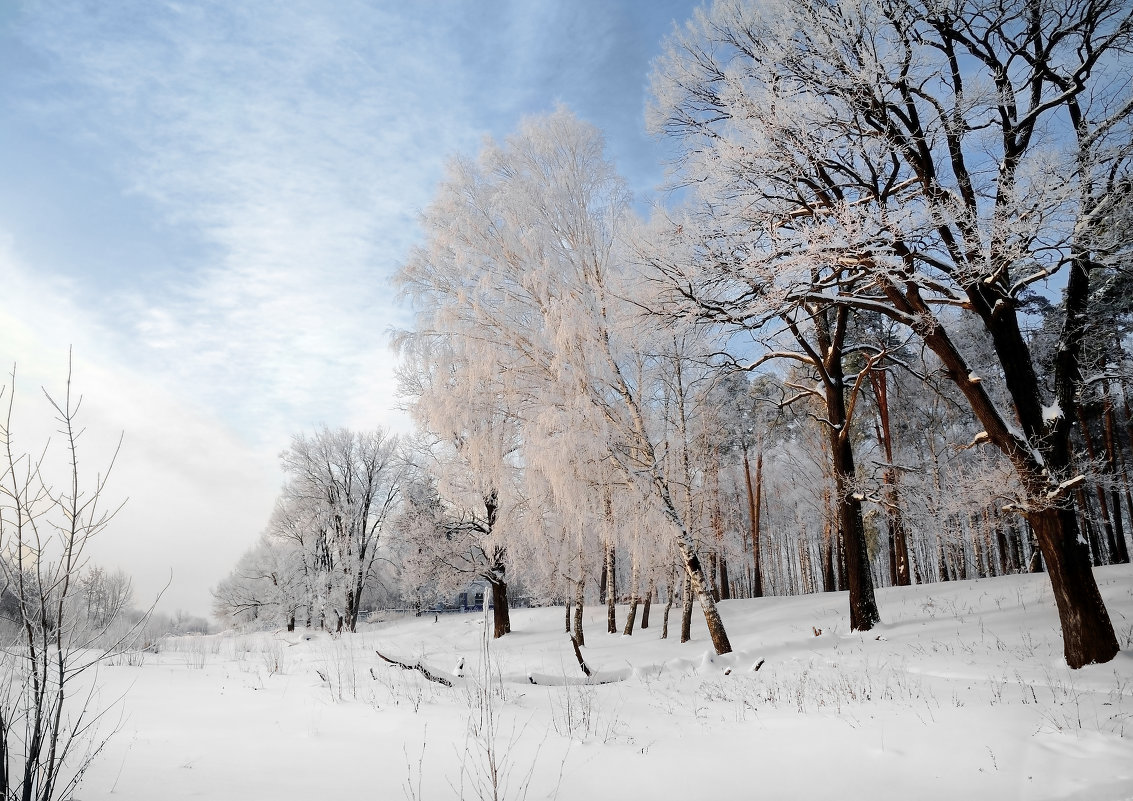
pixel 931 162
pixel 103 596
pixel 267 586
pixel 318 553
pixel 348 483
pixel 453 527
pixel 518 272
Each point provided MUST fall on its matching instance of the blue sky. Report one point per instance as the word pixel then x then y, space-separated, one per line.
pixel 207 199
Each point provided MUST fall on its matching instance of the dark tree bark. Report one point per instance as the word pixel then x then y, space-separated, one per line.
pixel 501 614
pixel 634 596
pixel 1035 562
pixel 1086 524
pixel 1121 549
pixel 579 597
pixel 754 507
pixel 898 540
pixel 578 655
pixel 611 590
pixel 713 584
pixel 840 554
pixel 1086 628
pixel 631 617
pixel 942 557
pixel 828 545
pixel 1086 624
pixel 863 606
pixel 1099 493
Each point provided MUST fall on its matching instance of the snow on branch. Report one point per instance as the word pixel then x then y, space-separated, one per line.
pixel 1065 487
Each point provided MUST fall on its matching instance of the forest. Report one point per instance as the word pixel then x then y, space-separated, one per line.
pixel 880 335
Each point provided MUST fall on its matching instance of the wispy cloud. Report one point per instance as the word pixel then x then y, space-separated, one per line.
pixel 299 141
pixel 299 146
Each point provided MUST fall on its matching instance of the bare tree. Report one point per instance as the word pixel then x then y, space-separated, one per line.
pixel 58 624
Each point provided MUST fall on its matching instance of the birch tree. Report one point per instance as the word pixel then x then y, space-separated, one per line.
pixel 519 262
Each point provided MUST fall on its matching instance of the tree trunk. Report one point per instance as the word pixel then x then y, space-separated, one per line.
pixel 668 607
pixel 1086 525
pixel 805 562
pixel 979 556
pixel 686 611
pixel 351 616
pixel 611 591
pixel 840 553
pixel 1121 552
pixel 828 546
pixel 754 506
pixel 501 614
pixel 1005 566
pixel 631 617
pixel 694 571
pixel 648 603
pixel 1014 545
pixel 1099 493
pixel 713 586
pixel 898 540
pixel 899 533
pixel 1087 632
pixel 1086 629
pixel 725 585
pixel 579 597
pixel 892 560
pixel 1035 563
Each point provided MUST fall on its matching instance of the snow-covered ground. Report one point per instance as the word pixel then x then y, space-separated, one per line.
pixel 961 693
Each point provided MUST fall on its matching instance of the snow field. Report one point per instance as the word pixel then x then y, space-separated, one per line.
pixel 962 691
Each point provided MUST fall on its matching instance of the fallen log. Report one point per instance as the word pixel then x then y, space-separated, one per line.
pixel 424 671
